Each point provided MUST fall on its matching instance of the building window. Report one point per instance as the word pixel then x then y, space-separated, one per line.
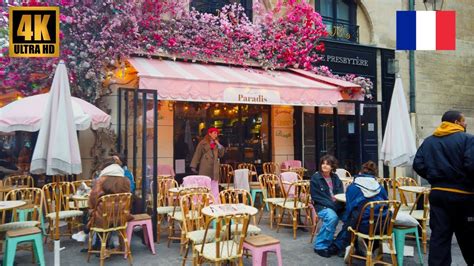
pixel 340 17
pixel 212 6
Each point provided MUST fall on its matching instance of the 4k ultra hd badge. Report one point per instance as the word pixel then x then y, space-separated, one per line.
pixel 34 31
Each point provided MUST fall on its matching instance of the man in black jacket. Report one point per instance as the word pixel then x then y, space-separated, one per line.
pixel 446 160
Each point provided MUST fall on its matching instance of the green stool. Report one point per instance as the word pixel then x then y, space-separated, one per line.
pixel 14 237
pixel 23 214
pixel 400 242
pixel 254 192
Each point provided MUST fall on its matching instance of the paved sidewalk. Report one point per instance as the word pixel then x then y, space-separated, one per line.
pixel 295 252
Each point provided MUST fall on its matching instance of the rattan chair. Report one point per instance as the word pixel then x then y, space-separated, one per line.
pixel 380 225
pixel 252 173
pixel 225 174
pixel 242 196
pixel 407 199
pixel 114 217
pixel 269 184
pixel 19 180
pixel 194 221
pixel 390 185
pixel 295 203
pixel 271 168
pixel 225 246
pixel 65 190
pixel 164 201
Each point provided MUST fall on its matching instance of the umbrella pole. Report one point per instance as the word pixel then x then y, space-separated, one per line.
pixel 57 245
pixel 394 189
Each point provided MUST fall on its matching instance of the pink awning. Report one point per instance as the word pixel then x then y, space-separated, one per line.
pixel 331 81
pixel 182 81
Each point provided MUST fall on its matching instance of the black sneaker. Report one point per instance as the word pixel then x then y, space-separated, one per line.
pixel 333 250
pixel 323 253
pixel 302 229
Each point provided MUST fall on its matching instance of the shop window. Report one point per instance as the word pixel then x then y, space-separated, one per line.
pixel 340 19
pixel 212 6
pixel 244 131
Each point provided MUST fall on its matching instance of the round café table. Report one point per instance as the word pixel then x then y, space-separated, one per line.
pixel 340 197
pixel 414 189
pixel 11 204
pixel 81 201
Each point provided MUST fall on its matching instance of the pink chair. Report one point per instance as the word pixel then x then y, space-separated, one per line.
pixel 164 169
pixel 287 178
pixel 290 163
pixel 203 181
pixel 143 220
pixel 259 245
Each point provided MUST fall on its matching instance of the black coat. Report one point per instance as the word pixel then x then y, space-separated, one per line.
pixel 320 194
pixel 447 161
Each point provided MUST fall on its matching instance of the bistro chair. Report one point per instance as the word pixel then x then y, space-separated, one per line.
pixel 407 199
pixel 176 216
pixel 390 186
pixel 271 168
pixel 164 201
pixel 114 217
pixel 193 220
pixel 224 246
pixel 299 170
pixel 254 185
pixel 19 181
pixel 380 224
pixel 269 185
pixel 236 196
pixel 294 204
pixel 65 190
pixel 225 174
pixel 421 215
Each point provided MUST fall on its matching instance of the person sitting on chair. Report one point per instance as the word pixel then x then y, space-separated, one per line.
pixel 365 188
pixel 324 185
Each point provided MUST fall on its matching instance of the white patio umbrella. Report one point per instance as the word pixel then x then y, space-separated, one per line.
pixel 57 148
pixel 398 145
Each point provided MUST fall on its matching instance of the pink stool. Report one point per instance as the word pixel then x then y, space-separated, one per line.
pixel 145 221
pixel 259 245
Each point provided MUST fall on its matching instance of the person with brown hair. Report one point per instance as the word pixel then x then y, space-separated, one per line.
pixel 324 185
pixel 365 188
pixel 207 155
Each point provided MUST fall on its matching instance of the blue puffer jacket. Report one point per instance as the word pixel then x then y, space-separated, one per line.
pixel 365 188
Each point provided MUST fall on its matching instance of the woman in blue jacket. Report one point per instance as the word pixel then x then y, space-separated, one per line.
pixel 324 185
pixel 365 188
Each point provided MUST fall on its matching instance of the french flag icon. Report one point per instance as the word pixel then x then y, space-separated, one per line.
pixel 426 30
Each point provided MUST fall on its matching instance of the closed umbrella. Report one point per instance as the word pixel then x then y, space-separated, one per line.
pixel 57 148
pixel 26 114
pixel 398 145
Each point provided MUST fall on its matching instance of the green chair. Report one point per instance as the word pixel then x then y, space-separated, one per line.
pixel 15 237
pixel 400 233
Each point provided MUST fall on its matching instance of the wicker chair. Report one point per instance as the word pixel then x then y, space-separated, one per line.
pixel 269 185
pixel 407 199
pixel 225 173
pixel 225 246
pixel 19 180
pixel 380 225
pixel 252 172
pixel 65 190
pixel 271 168
pixel 294 203
pixel 164 201
pixel 114 218
pixel 236 196
pixel 193 220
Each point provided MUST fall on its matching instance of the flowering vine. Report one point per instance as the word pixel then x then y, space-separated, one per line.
pixel 96 37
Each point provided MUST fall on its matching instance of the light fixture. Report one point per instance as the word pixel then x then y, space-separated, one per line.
pixel 392 66
pixel 433 4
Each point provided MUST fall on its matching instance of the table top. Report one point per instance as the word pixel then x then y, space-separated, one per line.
pixel 228 209
pixel 80 197
pixel 340 197
pixel 414 189
pixel 11 204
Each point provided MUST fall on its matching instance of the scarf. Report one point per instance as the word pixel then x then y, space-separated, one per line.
pixel 448 128
pixel 112 170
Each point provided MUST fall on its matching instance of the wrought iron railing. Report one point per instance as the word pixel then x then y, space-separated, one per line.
pixel 342 31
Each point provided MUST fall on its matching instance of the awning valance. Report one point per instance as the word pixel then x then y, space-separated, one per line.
pixel 182 81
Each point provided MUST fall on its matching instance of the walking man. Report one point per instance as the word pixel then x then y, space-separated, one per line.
pixel 446 160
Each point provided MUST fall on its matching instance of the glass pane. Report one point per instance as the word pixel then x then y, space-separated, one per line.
pixel 326 9
pixel 309 143
pixel 326 135
pixel 342 10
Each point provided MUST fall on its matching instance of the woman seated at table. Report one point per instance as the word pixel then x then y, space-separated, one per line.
pixel 365 188
pixel 111 181
pixel 324 185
